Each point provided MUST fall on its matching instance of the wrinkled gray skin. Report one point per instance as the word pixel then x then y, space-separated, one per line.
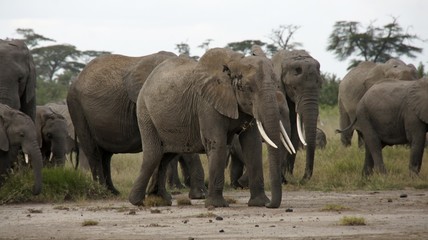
pixel 18 130
pixel 300 80
pixel 356 83
pixel 208 103
pixel 173 178
pixel 390 113
pixel 72 146
pixel 52 136
pixel 17 77
pixel 102 104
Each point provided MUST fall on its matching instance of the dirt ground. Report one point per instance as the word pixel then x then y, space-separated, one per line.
pixel 388 215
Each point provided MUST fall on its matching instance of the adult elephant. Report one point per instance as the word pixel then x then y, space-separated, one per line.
pixel 18 130
pixel 102 104
pixel 52 135
pixel 358 80
pixel 208 103
pixel 300 79
pixel 17 77
pixel 393 112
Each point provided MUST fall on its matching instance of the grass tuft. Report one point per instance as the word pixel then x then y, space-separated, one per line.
pixel 182 201
pixel 59 185
pixel 89 223
pixel 352 221
pixel 155 201
pixel 334 208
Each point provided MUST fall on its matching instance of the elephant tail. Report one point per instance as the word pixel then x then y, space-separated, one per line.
pixel 347 128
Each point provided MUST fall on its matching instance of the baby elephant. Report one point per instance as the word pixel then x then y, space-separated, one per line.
pixel 391 113
pixel 52 136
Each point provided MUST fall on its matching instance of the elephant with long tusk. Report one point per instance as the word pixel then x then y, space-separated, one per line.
pixel 208 103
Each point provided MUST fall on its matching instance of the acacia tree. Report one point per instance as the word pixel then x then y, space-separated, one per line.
pixel 282 36
pixel 55 65
pixel 377 44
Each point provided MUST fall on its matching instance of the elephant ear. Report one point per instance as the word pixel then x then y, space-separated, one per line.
pixel 217 90
pixel 418 98
pixel 4 141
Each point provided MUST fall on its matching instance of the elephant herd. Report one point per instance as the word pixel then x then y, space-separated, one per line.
pixel 174 108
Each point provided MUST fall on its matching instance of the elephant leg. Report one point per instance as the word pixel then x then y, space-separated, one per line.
pixel 198 190
pixel 368 163
pixel 159 179
pixel 416 152
pixel 236 169
pixel 244 179
pixel 106 162
pixel 172 174
pixel 217 157
pixel 151 160
pixel 185 162
pixel 252 154
pixel 344 122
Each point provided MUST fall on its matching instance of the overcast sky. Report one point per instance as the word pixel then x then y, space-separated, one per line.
pixel 139 27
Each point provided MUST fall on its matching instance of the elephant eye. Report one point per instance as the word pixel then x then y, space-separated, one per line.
pixel 49 135
pixel 21 134
pixel 298 71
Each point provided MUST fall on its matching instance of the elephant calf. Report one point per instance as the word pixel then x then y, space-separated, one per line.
pixel 52 135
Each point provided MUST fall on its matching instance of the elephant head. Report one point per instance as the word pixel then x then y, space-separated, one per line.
pixel 17 129
pixel 17 77
pixel 393 69
pixel 300 79
pixel 52 135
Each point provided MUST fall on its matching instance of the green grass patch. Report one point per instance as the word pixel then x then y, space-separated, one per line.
pixel 59 185
pixel 155 201
pixel 352 221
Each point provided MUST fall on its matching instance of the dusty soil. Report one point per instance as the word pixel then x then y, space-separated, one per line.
pixel 388 215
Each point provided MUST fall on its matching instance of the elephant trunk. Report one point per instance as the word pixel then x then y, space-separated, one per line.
pixel 37 164
pixel 58 150
pixel 308 111
pixel 268 115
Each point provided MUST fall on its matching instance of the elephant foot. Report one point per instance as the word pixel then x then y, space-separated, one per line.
pixel 136 199
pixel 272 205
pixel 197 193
pixel 236 185
pixel 216 202
pixel 113 190
pixel 259 201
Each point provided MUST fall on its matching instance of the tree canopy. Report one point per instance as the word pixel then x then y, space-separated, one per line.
pixel 56 65
pixel 377 44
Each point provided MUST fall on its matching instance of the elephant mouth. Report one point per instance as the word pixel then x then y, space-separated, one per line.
pixel 285 139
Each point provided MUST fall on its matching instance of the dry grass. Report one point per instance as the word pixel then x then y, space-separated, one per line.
pixel 352 221
pixel 89 223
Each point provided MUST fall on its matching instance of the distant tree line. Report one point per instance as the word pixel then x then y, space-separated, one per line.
pixel 58 64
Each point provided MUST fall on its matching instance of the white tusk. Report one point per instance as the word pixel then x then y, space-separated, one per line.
pixel 26 158
pixel 285 144
pixel 50 157
pixel 286 138
pixel 264 135
pixel 299 130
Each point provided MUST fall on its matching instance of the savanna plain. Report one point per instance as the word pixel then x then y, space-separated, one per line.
pixel 337 203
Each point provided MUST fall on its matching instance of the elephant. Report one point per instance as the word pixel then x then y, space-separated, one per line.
pixel 393 112
pixel 173 178
pixel 356 83
pixel 52 135
pixel 17 77
pixel 18 130
pixel 300 81
pixel 72 144
pixel 102 106
pixel 209 101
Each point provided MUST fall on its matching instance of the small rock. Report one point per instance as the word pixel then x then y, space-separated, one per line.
pixel 256 225
pixel 403 195
pixel 289 210
pixel 210 208
pixel 155 211
pixel 389 199
pixel 218 218
pixel 132 212
pixel 185 221
pixel 191 238
pixel 222 231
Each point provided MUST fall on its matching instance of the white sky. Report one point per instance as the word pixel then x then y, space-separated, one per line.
pixel 139 27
